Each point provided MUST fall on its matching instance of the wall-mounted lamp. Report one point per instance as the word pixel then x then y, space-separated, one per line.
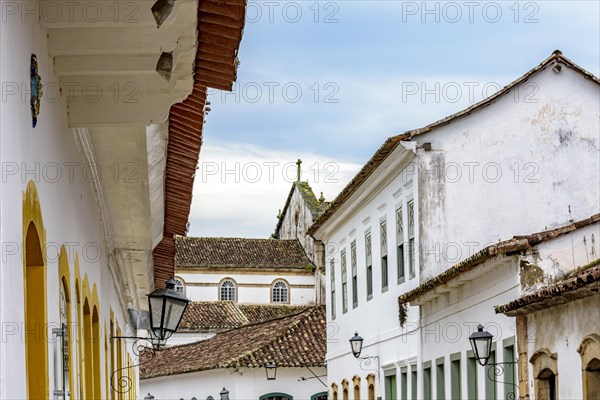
pixel 224 394
pixel 166 307
pixel 481 343
pixel 356 344
pixel 271 370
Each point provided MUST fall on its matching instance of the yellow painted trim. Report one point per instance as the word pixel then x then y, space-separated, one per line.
pixel 78 305
pixel 106 358
pixel 95 301
pixel 87 345
pixel 64 278
pixel 36 365
pixel 356 381
pixel 119 362
pixel 112 353
pixel 97 339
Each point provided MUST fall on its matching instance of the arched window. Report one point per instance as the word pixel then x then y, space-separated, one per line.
pixel 276 396
pixel 356 381
pixel 179 285
pixel 280 293
pixel 371 387
pixel 345 389
pixel 590 364
pixel 334 391
pixel 545 374
pixel 227 291
pixel 319 396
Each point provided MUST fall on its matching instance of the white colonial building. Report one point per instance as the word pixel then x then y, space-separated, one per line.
pixel 253 302
pixel 438 228
pixel 100 128
pixel 254 271
pixel 234 361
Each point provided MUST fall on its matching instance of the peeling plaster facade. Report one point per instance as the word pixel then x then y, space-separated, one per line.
pixel 498 171
pixel 509 166
pixel 300 211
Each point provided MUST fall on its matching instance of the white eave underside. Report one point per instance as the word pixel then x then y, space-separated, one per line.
pixel 106 62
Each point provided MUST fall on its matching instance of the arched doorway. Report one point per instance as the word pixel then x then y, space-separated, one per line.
pixel 36 340
pixel 590 362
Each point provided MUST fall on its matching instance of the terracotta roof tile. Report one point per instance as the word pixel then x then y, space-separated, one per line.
pixel 193 252
pixel 220 30
pixel 212 315
pixel 202 316
pixel 392 143
pixel 583 282
pixel 293 341
pixel 264 312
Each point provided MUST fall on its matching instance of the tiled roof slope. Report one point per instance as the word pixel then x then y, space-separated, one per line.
pixel 202 316
pixel 211 315
pixel 392 143
pixel 583 282
pixel 293 341
pixel 264 312
pixel 193 252
pixel 220 30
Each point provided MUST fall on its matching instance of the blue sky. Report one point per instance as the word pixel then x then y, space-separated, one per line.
pixel 328 81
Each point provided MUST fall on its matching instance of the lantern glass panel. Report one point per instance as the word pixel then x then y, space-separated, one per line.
pixel 483 347
pixel 156 308
pixel 173 312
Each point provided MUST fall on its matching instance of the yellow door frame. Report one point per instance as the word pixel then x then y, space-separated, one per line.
pixel 36 362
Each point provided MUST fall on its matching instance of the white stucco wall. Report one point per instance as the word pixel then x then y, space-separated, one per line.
pixel 375 320
pixel 450 318
pixel 252 287
pixel 69 211
pixel 243 384
pixel 561 330
pixel 296 220
pixel 508 168
pixel 564 254
pixel 463 206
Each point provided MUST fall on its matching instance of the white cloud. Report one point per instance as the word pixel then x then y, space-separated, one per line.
pixel 239 187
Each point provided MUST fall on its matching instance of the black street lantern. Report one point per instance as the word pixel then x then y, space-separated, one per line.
pixel 157 343
pixel 224 394
pixel 149 397
pixel 356 343
pixel 166 309
pixel 271 370
pixel 481 342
